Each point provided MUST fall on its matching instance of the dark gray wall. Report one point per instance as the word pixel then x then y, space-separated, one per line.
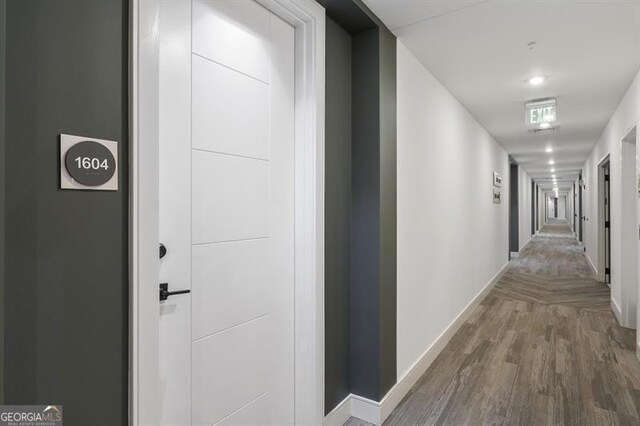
pixel 66 251
pixel 360 303
pixel 365 232
pixel 580 217
pixel 514 218
pixel 337 213
pixel 3 5
pixel 373 269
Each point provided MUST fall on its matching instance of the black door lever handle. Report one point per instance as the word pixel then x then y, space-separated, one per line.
pixel 165 293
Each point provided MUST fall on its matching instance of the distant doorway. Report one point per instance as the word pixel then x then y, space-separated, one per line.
pixel 580 216
pixel 514 244
pixel 533 208
pixel 537 208
pixel 552 207
pixel 575 212
pixel 604 221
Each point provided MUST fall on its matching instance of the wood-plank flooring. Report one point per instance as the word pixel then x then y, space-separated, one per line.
pixel 543 348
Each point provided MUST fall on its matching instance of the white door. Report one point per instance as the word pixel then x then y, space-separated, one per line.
pixel 562 207
pixel 226 96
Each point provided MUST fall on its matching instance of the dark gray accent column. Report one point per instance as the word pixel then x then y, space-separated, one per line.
pixel 367 292
pixel 66 264
pixel 533 208
pixel 365 232
pixel 3 26
pixel 537 208
pixel 580 217
pixel 513 210
pixel 373 269
pixel 388 212
pixel 337 214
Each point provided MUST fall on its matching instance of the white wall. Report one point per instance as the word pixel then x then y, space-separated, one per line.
pixel 524 207
pixel 452 239
pixel 622 121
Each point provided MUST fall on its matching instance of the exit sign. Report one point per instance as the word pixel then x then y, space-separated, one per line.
pixel 542 111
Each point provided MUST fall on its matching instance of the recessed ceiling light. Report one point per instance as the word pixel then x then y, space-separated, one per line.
pixel 552 162
pixel 553 170
pixel 548 150
pixel 553 176
pixel 536 81
pixel 545 125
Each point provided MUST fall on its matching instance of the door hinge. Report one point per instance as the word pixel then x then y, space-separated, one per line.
pixel 607 224
pixel 607 271
pixel 606 178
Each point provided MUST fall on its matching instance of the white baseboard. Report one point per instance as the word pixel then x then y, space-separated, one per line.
pixel 339 415
pixel 638 350
pixel 591 265
pixel 515 254
pixel 377 412
pixel 354 406
pixel 367 410
pixel 617 312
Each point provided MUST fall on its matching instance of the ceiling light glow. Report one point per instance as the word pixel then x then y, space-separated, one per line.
pixel 552 162
pixel 548 150
pixel 536 81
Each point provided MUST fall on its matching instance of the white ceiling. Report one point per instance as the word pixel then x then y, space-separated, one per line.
pixel 588 50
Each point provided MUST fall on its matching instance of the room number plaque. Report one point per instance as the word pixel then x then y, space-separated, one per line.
pixel 88 163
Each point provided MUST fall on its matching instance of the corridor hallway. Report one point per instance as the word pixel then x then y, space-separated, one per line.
pixel 543 348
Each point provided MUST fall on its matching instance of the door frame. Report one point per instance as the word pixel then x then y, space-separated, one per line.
pixel 602 234
pixel 533 208
pixel 308 19
pixel 580 216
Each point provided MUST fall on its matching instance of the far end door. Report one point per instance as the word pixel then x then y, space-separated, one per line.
pixel 581 218
pixel 226 213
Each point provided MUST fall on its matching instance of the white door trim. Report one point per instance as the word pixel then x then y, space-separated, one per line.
pixel 308 19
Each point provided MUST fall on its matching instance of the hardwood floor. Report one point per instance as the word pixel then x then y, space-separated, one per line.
pixel 543 348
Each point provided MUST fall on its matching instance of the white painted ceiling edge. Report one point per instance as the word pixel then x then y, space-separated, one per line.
pixel 484 52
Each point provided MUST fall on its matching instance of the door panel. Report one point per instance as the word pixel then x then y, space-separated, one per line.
pixel 235 101
pixel 235 34
pixel 229 370
pixel 241 264
pixel 230 198
pixel 227 209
